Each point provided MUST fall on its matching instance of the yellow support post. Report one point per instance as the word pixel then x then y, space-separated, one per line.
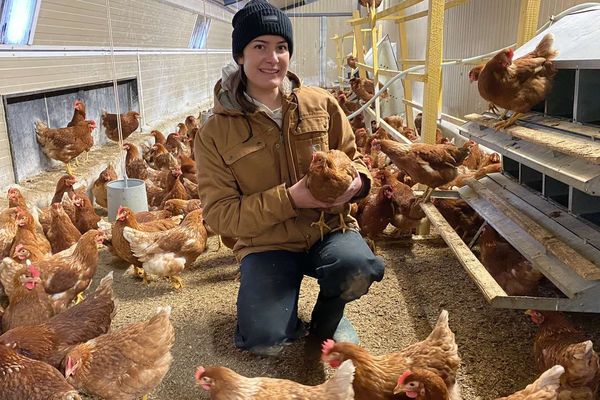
pixel 358 39
pixel 406 85
pixel 528 20
pixel 375 53
pixel 433 65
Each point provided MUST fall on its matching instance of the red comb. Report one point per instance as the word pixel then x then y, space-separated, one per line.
pixel 199 372
pixel 403 377
pixel 327 346
pixel 510 52
pixel 34 271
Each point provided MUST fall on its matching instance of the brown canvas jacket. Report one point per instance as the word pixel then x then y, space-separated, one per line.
pixel 245 164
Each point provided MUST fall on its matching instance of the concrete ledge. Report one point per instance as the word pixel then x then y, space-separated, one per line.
pixel 39 189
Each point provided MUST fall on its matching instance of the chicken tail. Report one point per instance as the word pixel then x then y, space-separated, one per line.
pixel 40 127
pixel 339 387
pixel 544 48
pixel 441 328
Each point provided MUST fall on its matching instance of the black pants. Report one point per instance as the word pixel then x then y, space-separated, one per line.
pixel 267 304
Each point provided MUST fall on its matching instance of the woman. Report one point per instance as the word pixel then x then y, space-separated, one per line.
pixel 251 157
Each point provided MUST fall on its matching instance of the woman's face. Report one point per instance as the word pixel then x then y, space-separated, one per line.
pixel 266 60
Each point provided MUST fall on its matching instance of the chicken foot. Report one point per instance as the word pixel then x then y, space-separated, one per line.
pixel 68 168
pixel 80 297
pixel 511 121
pixel 321 224
pixel 176 282
pixel 343 226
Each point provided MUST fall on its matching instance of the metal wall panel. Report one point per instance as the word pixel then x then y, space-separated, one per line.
pixel 476 27
pixel 135 23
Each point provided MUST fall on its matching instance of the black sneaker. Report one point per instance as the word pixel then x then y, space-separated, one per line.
pixel 267 351
pixel 345 332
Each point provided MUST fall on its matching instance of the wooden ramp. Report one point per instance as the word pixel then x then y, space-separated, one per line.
pixel 566 251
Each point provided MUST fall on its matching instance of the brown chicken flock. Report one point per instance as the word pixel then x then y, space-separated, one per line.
pixel 54 335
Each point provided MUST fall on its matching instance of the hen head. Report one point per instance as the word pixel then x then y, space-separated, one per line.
pixel 411 388
pixel 123 213
pixel 536 316
pixel 31 277
pixel 78 201
pixel 474 73
pixel 388 191
pixel 503 58
pixel 21 252
pixel 56 208
pixel 78 105
pixel 13 194
pixel 91 124
pixel 72 363
pixel 22 218
pixel 330 355
pixel 319 161
pixel 206 382
pixel 67 181
pixel 107 174
pixel 495 158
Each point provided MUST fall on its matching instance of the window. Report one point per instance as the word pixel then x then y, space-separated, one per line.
pixel 198 39
pixel 17 18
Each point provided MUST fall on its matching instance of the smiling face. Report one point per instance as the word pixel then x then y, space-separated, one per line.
pixel 265 61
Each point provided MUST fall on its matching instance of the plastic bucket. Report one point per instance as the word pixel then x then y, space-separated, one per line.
pixel 133 196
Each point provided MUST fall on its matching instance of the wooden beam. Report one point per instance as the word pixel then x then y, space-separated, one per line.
pixel 421 14
pixel 566 254
pixel 482 278
pixel 584 149
pixel 388 11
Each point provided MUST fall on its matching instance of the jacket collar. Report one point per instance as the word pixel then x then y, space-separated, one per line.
pixel 224 99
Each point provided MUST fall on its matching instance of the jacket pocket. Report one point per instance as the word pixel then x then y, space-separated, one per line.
pixel 312 134
pixel 252 165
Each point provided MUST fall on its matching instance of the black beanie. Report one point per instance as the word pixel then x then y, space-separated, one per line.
pixel 259 18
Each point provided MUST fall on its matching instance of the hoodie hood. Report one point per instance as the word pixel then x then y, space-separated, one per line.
pixel 224 97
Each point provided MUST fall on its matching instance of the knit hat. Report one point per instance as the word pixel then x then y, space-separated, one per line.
pixel 258 18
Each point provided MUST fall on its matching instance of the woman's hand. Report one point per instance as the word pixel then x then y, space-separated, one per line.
pixel 302 198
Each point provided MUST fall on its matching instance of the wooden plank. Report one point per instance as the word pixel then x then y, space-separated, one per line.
pixel 585 234
pixel 560 124
pixel 482 278
pixel 388 11
pixel 421 14
pixel 562 276
pixel 581 265
pixel 579 148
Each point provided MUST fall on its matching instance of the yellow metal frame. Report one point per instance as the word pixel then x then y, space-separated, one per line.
pixel 528 20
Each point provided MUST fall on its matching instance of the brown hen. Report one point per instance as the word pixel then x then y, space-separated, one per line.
pixel 376 376
pixel 23 378
pixel 224 384
pixel 518 85
pixel 559 342
pixel 123 364
pixel 167 253
pixel 129 123
pixel 430 164
pixel 99 189
pixel 329 175
pixel 62 234
pixel 49 342
pixel 64 144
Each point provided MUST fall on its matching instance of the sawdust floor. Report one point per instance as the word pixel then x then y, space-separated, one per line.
pixel 422 277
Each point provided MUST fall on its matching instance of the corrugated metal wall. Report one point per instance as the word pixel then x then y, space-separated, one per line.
pixel 305 61
pixel 170 82
pixel 477 27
